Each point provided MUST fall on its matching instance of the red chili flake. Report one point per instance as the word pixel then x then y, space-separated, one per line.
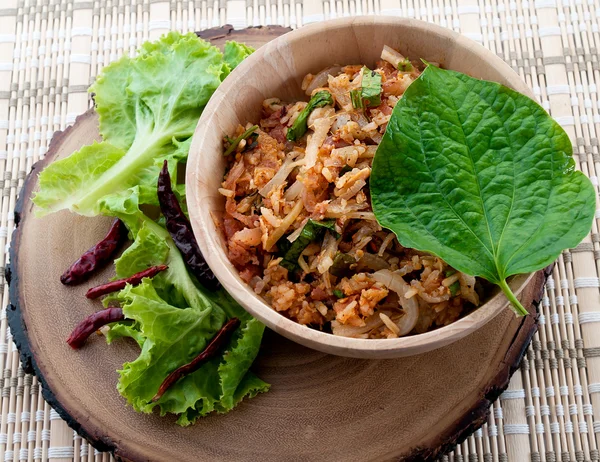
pixel 92 323
pixel 96 256
pixel 211 350
pixel 180 229
pixel 119 284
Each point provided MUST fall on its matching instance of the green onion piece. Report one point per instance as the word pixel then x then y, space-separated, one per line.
pixel 345 169
pixel 405 65
pixel 338 293
pixel 341 264
pixel 252 142
pixel 371 87
pixel 356 97
pixel 243 136
pixel 312 232
pixel 319 99
pixel 454 288
pixel 449 272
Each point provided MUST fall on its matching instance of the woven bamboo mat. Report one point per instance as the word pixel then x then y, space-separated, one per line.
pixel 50 51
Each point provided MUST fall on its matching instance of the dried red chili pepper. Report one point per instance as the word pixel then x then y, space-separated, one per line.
pixel 91 324
pixel 180 230
pixel 211 350
pixel 119 284
pixel 96 256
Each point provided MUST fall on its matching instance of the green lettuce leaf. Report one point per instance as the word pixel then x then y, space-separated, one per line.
pixel 481 176
pixel 148 249
pixel 148 106
pixel 173 336
pixel 234 53
pixel 174 320
pixel 125 330
pixel 159 92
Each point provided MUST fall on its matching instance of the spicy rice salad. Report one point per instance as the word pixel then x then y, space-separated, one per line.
pixel 298 221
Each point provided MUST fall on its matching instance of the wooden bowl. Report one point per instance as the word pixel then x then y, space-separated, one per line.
pixel 277 70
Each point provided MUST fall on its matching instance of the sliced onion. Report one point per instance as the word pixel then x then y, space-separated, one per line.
pixel 320 80
pixel 410 306
pixel 360 119
pixel 391 56
pixel 362 216
pixel 315 141
pixel 387 241
pixel 341 119
pixel 372 322
pixel 329 248
pixel 236 171
pixel 288 166
pixel 392 281
pixel 336 209
pixel 296 234
pixel 350 213
pixel 248 237
pixel 467 288
pixel 372 262
pixel 285 224
pixel 408 321
pixel 294 191
pixel 353 190
pixel 319 113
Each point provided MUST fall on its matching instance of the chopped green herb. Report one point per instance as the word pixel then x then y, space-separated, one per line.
pixel 234 144
pixel 319 99
pixel 455 288
pixel 371 87
pixel 252 142
pixel 341 264
pixel 356 97
pixel 449 272
pixel 345 169
pixel 338 293
pixel 312 232
pixel 405 65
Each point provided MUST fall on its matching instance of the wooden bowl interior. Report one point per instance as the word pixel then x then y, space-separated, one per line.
pixel 277 70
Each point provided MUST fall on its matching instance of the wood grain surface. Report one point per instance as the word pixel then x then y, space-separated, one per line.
pixel 321 407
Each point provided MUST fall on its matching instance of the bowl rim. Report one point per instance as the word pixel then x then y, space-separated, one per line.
pixel 245 296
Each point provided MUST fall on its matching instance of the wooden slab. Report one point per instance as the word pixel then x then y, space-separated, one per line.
pixel 320 407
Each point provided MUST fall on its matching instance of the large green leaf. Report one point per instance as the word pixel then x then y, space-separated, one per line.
pixel 481 176
pixel 149 107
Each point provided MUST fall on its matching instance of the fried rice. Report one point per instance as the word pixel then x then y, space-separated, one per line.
pixel 349 277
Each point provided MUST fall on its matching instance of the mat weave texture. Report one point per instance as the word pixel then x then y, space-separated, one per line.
pixel 51 50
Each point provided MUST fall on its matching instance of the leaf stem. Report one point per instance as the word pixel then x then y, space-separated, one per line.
pixel 514 303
